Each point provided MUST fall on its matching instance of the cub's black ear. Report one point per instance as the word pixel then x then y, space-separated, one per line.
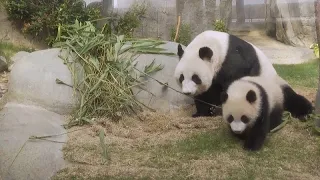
pixel 205 53
pixel 180 51
pixel 223 97
pixel 251 96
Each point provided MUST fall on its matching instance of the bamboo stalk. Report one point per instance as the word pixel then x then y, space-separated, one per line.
pixel 177 30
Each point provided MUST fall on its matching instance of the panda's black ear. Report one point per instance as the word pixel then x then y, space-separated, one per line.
pixel 180 51
pixel 223 97
pixel 205 53
pixel 251 96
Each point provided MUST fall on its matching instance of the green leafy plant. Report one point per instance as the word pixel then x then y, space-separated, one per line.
pixel 315 48
pixel 219 25
pixel 184 36
pixel 104 154
pixel 40 18
pixel 131 20
pixel 109 70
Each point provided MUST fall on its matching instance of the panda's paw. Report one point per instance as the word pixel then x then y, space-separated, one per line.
pixel 252 149
pixel 201 114
pixel 250 146
pixel 195 115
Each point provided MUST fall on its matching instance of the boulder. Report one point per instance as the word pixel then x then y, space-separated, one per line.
pixel 16 57
pixel 33 82
pixel 19 55
pixel 159 97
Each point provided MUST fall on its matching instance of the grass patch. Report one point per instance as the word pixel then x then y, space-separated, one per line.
pixel 156 149
pixel 192 148
pixel 300 75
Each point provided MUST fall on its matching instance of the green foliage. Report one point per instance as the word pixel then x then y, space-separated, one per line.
pixel 219 25
pixel 315 48
pixel 41 18
pixel 130 20
pixel 184 36
pixel 109 70
pixel 103 145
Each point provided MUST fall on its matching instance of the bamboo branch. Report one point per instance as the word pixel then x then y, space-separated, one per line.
pixel 177 30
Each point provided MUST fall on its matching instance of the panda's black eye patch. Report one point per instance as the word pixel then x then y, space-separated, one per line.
pixel 230 119
pixel 251 96
pixel 244 119
pixel 205 53
pixel 181 78
pixel 195 78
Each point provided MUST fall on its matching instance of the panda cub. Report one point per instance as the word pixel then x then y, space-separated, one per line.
pixel 252 106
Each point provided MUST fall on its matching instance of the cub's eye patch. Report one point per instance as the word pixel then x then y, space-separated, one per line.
pixel 181 78
pixel 244 119
pixel 195 78
pixel 230 119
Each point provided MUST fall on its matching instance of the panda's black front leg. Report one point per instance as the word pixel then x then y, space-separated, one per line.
pixel 202 109
pixel 212 96
pixel 257 135
pixel 254 143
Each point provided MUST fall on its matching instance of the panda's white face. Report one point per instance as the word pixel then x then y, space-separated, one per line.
pixel 241 105
pixel 192 73
pixel 193 79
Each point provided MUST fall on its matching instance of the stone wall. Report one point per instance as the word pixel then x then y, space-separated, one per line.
pixel 292 22
pixel 200 15
pixel 162 17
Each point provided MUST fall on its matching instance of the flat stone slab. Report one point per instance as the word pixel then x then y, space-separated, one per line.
pixel 277 52
pixel 38 159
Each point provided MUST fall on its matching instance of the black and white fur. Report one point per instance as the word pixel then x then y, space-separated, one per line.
pixel 296 104
pixel 253 106
pixel 212 61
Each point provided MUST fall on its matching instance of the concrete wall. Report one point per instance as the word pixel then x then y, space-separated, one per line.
pixel 161 15
pixel 158 3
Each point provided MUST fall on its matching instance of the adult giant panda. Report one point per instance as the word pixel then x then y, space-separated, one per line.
pixel 212 61
pixel 252 106
pixel 215 59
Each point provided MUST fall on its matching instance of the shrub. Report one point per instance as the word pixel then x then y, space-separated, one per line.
pixel 41 18
pixel 315 48
pixel 131 20
pixel 219 25
pixel 109 71
pixel 184 36
pixel 126 23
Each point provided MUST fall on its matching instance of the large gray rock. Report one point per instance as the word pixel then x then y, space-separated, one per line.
pixel 33 81
pixel 37 159
pixel 19 55
pixel 159 97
